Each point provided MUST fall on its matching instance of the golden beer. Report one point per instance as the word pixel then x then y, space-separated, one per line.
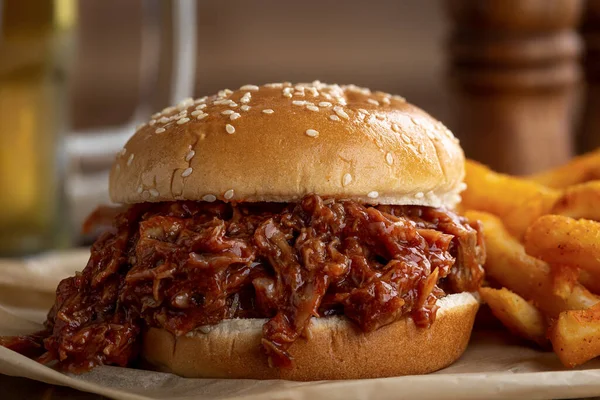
pixel 35 51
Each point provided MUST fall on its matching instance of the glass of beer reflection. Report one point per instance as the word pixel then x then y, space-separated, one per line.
pixel 36 42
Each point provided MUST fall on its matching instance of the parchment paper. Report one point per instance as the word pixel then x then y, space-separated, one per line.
pixel 494 365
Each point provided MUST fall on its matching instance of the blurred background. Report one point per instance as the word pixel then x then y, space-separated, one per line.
pixel 516 81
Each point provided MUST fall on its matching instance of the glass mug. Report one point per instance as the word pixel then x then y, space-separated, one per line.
pixel 37 45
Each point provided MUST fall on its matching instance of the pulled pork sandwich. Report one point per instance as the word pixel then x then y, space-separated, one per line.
pixel 301 232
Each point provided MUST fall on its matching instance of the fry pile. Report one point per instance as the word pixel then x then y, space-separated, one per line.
pixel 543 246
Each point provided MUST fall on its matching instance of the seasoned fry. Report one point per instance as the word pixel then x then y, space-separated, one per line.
pixel 516 201
pixel 579 201
pixel 565 278
pixel 563 240
pixel 580 169
pixel 509 265
pixel 575 336
pixel 519 316
pixel 590 281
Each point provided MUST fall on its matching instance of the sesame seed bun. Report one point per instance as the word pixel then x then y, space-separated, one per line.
pixel 279 142
pixel 334 349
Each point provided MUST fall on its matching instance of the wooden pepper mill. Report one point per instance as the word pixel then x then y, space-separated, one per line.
pixel 589 138
pixel 514 70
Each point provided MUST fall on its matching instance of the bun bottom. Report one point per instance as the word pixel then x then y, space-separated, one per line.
pixel 333 349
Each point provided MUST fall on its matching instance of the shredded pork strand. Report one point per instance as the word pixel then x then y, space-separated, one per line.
pixel 183 265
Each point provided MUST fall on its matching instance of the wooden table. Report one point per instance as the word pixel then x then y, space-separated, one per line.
pixel 22 388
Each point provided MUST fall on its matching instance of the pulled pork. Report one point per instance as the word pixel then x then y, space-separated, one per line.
pixel 183 265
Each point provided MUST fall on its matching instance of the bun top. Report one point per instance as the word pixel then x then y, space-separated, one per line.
pixel 279 142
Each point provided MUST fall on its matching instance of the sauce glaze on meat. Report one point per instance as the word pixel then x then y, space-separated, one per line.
pixel 183 265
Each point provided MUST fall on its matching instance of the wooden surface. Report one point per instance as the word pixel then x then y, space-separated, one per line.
pixel 21 388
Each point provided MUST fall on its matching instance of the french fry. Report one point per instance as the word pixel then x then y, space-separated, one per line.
pixel 516 201
pixel 519 316
pixel 575 336
pixel 590 281
pixel 580 169
pixel 579 201
pixel 564 278
pixel 563 240
pixel 509 265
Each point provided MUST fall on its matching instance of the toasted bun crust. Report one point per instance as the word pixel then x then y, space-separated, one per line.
pixel 334 348
pixel 279 142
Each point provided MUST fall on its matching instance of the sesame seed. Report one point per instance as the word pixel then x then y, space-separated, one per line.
pixel 164 120
pixel 220 102
pixel 312 133
pixel 246 98
pixel 185 103
pixel 362 110
pixel 182 121
pixel 385 100
pixel 325 104
pixel 389 158
pixel 190 155
pixel 229 128
pixel 152 122
pixel 232 103
pixel 123 151
pixel 245 107
pixel 396 128
pixel 373 101
pixel 234 116
pixel 268 111
pixel 312 108
pixel 340 112
pixel 197 112
pixel 209 198
pixel 346 179
pixel 298 102
pixel 249 87
pixel 153 192
pixel 228 91
pixel 159 130
pixel 430 135
pixel 187 172
pixel 422 148
pixel 419 195
pixel 202 116
pixel 154 116
pixel 227 112
pixel 140 189
pixel 201 107
pixel 405 138
pixel 228 194
pixel 130 159
pixel 167 110
pixel 334 118
pixel 314 91
pixel 274 85
pixel 287 94
pixel 373 195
